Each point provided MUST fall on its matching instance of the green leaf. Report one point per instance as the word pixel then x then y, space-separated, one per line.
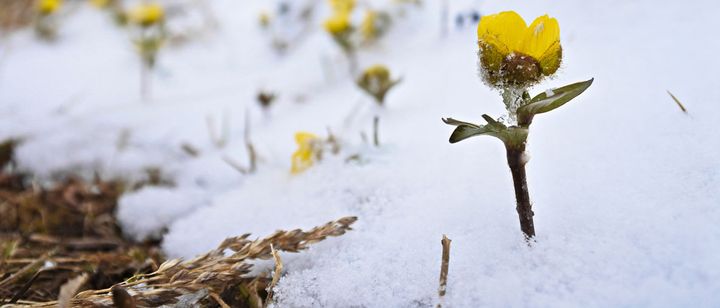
pixel 552 99
pixel 453 122
pixel 463 132
pixel 493 123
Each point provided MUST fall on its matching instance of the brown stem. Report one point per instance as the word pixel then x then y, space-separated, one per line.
pixel 376 136
pixel 516 162
pixel 144 82
pixel 444 267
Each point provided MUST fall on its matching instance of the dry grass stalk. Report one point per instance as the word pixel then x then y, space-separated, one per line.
pixel 213 272
pixel 276 275
pixel 219 139
pixel 677 101
pixel 69 289
pixel 121 298
pixel 444 269
pixel 15 14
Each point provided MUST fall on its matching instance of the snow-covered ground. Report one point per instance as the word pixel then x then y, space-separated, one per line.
pixel 626 187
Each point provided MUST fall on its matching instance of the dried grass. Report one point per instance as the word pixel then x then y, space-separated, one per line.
pixel 15 14
pixel 219 275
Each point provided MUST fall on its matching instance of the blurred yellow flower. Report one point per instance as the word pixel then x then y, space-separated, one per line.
pixel 368 26
pixel 338 23
pixel 264 19
pixel 342 6
pixel 146 15
pixel 100 3
pixel 376 81
pixel 377 71
pixel 304 156
pixel 511 53
pixel 47 7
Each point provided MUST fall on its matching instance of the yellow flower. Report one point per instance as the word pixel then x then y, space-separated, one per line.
pixel 513 54
pixel 368 26
pixel 47 7
pixel 264 19
pixel 376 81
pixel 342 6
pixel 377 72
pixel 304 156
pixel 147 15
pixel 337 24
pixel 100 3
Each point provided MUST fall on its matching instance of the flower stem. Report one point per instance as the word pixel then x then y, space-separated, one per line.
pixel 376 134
pixel 516 161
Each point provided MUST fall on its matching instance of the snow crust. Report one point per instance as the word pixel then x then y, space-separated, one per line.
pixel 626 188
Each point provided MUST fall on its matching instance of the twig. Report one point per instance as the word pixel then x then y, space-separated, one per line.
pixel 376 137
pixel 190 149
pixel 677 101
pixel 26 271
pixel 221 140
pixel 276 275
pixel 24 288
pixel 252 155
pixel 69 289
pixel 235 165
pixel 219 300
pixel 444 269
pixel 121 298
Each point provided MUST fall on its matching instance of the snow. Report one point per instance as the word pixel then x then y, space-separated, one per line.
pixel 626 188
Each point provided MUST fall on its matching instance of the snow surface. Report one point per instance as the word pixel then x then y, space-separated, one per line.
pixel 626 188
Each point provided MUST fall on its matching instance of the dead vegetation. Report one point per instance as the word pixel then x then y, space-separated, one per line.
pixel 15 14
pixel 62 247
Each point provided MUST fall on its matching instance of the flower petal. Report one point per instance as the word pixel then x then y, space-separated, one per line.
pixel 304 138
pixel 542 34
pixel 503 31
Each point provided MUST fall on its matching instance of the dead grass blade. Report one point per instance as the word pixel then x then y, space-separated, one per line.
pixel 677 101
pixel 276 275
pixel 69 289
pixel 215 272
pixel 444 269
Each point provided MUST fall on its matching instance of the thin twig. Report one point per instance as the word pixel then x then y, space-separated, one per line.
pixel 444 269
pixel 276 275
pixel 376 137
pixel 677 101
pixel 24 288
pixel 219 300
pixel 252 155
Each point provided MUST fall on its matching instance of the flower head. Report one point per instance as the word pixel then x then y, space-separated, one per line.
pixel 376 81
pixel 369 25
pixel 264 19
pixel 342 6
pixel 305 155
pixel 514 54
pixel 338 24
pixel 146 15
pixel 47 7
pixel 100 3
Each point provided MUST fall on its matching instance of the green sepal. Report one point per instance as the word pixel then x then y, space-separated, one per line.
pixel 466 130
pixel 453 122
pixel 543 102
pixel 463 132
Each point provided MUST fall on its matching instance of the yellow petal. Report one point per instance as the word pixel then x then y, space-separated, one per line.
pixel 542 34
pixel 48 6
pixel 304 138
pixel 550 61
pixel 503 31
pixel 301 160
pixel 338 23
pixel 147 14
